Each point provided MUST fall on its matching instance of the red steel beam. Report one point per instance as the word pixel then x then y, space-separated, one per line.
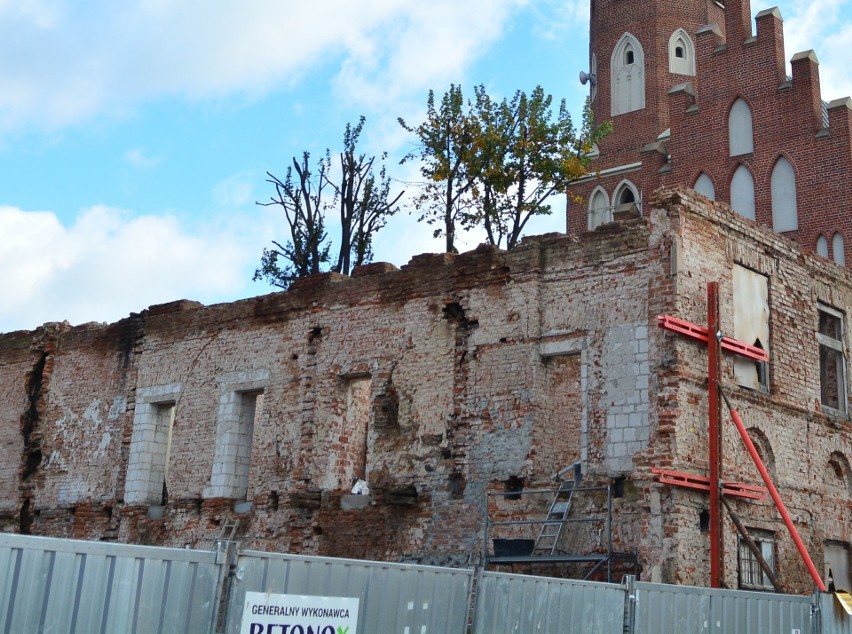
pixel 773 492
pixel 702 483
pixel 673 324
pixel 714 354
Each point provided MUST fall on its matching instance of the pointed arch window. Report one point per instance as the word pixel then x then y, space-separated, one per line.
pixel 837 251
pixel 822 246
pixel 785 215
pixel 681 53
pixel 627 67
pixel 740 137
pixel 599 210
pixel 704 186
pixel 625 193
pixel 742 192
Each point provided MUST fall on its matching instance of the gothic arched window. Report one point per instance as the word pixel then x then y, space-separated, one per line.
pixel 704 186
pixel 627 76
pixel 681 53
pixel 740 138
pixel 599 210
pixel 785 215
pixel 742 192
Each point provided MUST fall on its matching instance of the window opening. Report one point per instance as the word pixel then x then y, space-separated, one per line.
pixel 751 324
pixel 627 74
pixel 785 215
pixel 836 558
pixel 740 136
pixel 165 416
pixel 832 360
pixel 751 576
pixel 837 251
pixel 250 403
pixel 704 186
pixel 742 192
pixel 513 487
pixel 681 53
pixel 599 210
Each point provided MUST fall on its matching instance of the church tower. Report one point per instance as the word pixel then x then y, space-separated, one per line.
pixel 697 99
pixel 638 51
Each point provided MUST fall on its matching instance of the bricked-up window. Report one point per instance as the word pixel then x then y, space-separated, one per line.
pixel 740 135
pixel 836 559
pixel 751 325
pixel 822 246
pixel 704 186
pixel 785 214
pixel 599 210
pixel 627 69
pixel 751 576
pixel 837 251
pixel 742 192
pixel 832 360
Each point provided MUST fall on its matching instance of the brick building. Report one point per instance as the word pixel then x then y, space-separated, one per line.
pixel 490 371
pixel 697 100
pixel 439 382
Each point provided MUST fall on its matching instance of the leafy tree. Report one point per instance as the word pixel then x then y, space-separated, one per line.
pixel 444 144
pixel 513 155
pixel 361 197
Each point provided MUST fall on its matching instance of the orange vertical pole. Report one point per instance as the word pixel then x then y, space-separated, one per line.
pixel 714 432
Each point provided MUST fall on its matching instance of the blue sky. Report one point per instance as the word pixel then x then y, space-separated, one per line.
pixel 135 136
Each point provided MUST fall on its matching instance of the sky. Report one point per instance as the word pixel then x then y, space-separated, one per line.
pixel 136 136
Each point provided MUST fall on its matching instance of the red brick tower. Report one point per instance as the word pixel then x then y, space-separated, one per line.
pixel 695 99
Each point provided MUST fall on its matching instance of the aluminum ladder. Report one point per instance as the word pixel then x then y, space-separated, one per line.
pixel 551 530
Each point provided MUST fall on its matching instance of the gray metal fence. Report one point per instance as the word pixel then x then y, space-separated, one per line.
pixel 519 603
pixel 61 585
pixel 664 609
pixel 394 598
pixel 58 585
pixel 834 619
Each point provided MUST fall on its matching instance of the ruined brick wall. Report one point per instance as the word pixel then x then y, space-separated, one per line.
pixel 438 383
pixel 806 446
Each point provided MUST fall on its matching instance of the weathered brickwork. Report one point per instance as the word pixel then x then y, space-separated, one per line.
pixel 682 132
pixel 436 383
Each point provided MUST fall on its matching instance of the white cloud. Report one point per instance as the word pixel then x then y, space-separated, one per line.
pixel 108 263
pixel 236 191
pixel 138 158
pixel 77 60
pixel 822 25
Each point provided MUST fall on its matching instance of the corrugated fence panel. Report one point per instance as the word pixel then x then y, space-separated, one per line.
pixel 834 618
pixel 518 603
pixel 65 586
pixel 667 609
pixel 394 598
